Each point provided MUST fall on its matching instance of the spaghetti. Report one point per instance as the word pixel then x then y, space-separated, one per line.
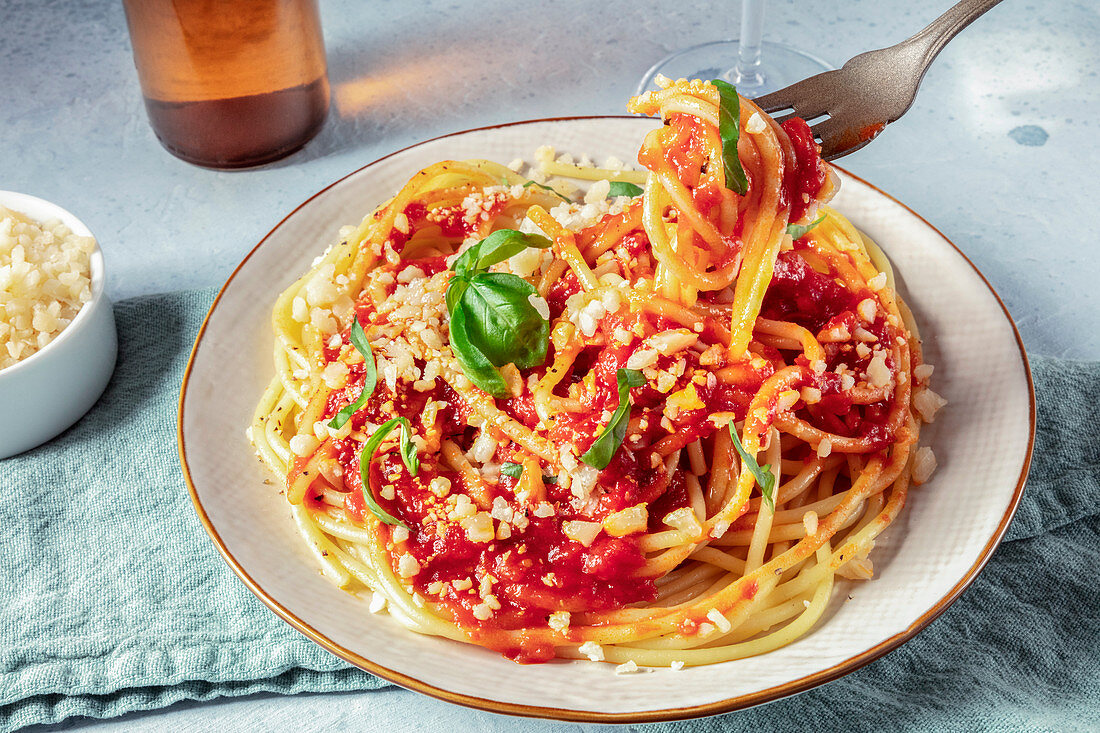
pixel 650 428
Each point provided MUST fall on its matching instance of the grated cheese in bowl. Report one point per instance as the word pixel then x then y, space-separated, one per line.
pixel 45 279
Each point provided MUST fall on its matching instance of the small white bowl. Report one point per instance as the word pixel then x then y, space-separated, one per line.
pixel 47 392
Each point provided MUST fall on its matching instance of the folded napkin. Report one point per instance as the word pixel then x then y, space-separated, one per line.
pixel 114 598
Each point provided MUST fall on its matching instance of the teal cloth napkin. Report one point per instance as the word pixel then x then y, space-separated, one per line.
pixel 113 599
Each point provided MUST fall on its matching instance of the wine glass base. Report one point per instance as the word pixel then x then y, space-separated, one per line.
pixel 781 65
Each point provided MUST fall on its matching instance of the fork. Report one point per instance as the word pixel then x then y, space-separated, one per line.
pixel 873 89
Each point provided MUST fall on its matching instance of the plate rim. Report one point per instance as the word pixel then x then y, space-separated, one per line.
pixel 726 705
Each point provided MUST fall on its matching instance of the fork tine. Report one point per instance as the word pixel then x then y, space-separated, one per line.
pixel 796 95
pixel 780 119
pixel 807 111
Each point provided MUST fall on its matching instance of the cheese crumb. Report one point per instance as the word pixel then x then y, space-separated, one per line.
pixel 676 665
pixel 627 521
pixel 592 650
pixel 440 486
pixel 543 510
pixel 924 464
pixel 809 522
pixel 755 124
pixel 559 621
pixel 720 620
pixel 878 374
pixel 684 519
pixel 928 403
pixel 479 527
pixel 581 531
pixel 540 305
pixel 407 566
pixel 641 359
pixel 630 667
pixel 303 445
pixel 787 400
pixel 867 309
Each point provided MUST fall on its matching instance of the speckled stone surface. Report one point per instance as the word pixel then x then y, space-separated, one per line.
pixel 998 153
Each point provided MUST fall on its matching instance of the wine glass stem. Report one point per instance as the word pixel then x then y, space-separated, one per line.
pixel 747 72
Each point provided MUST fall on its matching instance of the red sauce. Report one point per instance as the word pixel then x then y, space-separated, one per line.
pixel 533 573
pixel 805 175
pixel 801 294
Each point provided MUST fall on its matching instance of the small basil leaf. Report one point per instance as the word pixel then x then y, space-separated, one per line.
pixel 455 288
pixel 502 323
pixel 370 378
pixel 408 448
pixel 763 474
pixel 503 243
pixel 605 447
pixel 798 231
pixel 551 190
pixel 497 247
pixel 474 364
pixel 513 470
pixel 623 188
pixel 632 378
pixel 465 265
pixel 408 455
pixel 729 128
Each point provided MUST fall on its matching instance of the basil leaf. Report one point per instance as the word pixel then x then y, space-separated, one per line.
pixel 551 190
pixel 514 470
pixel 503 243
pixel 605 447
pixel 763 474
pixel 501 321
pixel 408 448
pixel 729 128
pixel 408 455
pixel 798 231
pixel 455 289
pixel 623 188
pixel 492 320
pixel 370 379
pixel 497 247
pixel 474 364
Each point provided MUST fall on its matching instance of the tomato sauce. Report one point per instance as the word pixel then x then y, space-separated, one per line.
pixel 805 175
pixel 801 294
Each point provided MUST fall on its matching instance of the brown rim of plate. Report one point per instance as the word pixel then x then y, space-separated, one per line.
pixel 696 711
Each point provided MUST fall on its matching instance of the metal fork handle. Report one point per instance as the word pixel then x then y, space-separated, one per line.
pixel 930 41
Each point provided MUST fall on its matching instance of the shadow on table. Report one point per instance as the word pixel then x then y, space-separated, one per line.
pixel 436 74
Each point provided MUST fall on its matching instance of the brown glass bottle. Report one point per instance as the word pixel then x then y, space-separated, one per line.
pixel 230 83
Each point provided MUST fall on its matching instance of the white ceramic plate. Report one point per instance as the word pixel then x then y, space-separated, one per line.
pixel 943 538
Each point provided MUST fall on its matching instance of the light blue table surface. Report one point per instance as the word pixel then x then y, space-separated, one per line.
pixel 999 152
